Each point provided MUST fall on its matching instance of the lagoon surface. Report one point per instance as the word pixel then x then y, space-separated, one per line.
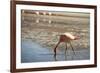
pixel 34 52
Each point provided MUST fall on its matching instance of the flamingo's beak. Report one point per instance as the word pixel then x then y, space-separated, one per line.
pixel 77 37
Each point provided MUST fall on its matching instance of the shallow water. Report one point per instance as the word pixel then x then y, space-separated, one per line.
pixel 33 52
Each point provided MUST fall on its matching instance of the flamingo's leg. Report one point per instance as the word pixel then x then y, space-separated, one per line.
pixel 72 48
pixel 56 48
pixel 66 48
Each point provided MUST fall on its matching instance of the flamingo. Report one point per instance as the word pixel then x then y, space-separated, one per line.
pixel 66 38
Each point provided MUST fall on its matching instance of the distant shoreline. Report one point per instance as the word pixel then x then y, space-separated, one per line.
pixel 57 13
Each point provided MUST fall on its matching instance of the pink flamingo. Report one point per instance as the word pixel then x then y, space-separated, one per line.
pixel 66 38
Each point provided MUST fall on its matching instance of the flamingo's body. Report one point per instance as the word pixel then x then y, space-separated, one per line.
pixel 67 38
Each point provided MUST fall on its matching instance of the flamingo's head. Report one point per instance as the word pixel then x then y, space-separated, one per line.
pixel 77 37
